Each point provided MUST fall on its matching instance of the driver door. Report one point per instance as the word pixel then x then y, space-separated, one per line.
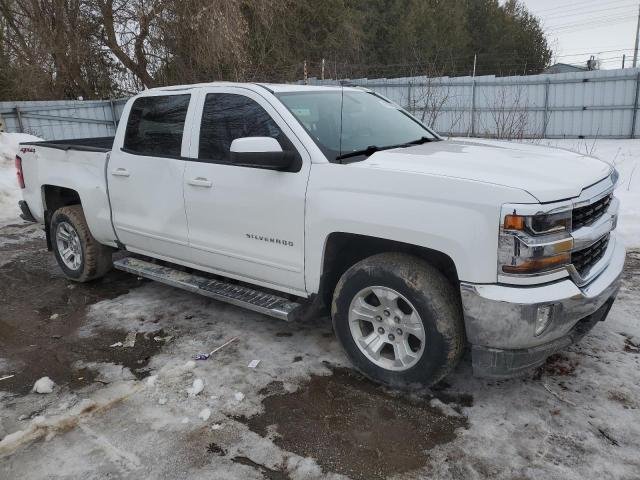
pixel 244 222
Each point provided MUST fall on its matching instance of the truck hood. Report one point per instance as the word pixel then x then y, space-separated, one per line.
pixel 549 174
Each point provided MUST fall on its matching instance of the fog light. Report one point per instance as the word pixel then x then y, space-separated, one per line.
pixel 543 318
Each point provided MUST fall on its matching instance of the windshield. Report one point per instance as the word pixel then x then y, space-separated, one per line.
pixel 365 120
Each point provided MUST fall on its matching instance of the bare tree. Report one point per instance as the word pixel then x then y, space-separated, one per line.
pixel 509 112
pixel 433 99
pixel 127 32
pixel 51 46
pixel 160 42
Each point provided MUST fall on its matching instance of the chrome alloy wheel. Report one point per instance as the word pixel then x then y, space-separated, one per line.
pixel 68 243
pixel 387 328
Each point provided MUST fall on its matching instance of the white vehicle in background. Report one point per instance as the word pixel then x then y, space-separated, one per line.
pixel 277 197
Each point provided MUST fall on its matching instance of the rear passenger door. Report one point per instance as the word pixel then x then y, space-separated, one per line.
pixel 245 222
pixel 145 177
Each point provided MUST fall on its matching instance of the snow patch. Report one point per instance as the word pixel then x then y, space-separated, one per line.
pixel 48 427
pixel 151 380
pixel 196 388
pixel 444 408
pixel 204 414
pixel 43 385
pixel 303 468
pixel 10 193
pixel 130 340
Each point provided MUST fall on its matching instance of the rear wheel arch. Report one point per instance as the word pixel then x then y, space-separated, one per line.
pixel 55 197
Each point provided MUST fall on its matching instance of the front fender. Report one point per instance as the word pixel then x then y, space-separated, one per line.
pixel 453 216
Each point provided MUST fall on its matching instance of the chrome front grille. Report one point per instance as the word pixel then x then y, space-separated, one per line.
pixel 583 260
pixel 589 214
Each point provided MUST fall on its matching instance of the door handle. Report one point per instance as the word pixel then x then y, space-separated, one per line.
pixel 120 172
pixel 200 182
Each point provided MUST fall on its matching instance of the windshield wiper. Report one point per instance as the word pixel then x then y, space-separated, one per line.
pixel 419 141
pixel 371 149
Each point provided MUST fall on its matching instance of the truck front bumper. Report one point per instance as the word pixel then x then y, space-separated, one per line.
pixel 501 321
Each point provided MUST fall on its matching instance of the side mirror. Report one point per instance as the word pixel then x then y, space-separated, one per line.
pixel 260 152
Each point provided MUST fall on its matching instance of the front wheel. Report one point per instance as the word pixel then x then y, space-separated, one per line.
pixel 399 320
pixel 79 255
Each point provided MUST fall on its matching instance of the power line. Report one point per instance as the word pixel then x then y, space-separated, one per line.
pixel 629 9
pixel 578 6
pixel 594 53
pixel 595 23
pixel 590 20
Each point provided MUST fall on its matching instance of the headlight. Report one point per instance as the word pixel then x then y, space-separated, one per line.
pixel 541 224
pixel 615 175
pixel 534 244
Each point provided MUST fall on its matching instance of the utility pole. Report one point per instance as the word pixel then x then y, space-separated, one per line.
pixel 322 71
pixel 624 57
pixel 475 59
pixel 635 51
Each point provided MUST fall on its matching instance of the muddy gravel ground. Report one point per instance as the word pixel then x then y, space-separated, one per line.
pixel 119 351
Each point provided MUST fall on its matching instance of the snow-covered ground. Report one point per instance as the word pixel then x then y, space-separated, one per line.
pixel 577 418
pixel 9 191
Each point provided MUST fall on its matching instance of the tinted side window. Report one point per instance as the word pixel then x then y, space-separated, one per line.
pixel 155 125
pixel 226 117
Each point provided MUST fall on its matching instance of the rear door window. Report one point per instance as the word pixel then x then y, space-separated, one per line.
pixel 156 124
pixel 228 116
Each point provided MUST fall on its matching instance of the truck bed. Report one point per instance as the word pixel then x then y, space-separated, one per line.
pixel 79 165
pixel 94 144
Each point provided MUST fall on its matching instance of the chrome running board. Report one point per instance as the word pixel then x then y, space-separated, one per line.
pixel 237 295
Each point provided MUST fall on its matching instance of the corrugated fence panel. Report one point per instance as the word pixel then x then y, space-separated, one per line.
pixel 63 119
pixel 579 104
pixel 584 104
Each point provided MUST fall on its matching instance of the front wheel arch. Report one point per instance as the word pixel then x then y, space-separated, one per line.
pixel 343 250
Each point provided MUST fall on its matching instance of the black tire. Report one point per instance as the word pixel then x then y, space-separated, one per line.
pixel 95 258
pixel 434 299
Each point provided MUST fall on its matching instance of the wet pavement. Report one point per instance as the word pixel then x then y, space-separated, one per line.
pixel 332 417
pixel 41 313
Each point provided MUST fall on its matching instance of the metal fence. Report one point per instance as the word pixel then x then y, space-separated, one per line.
pixel 569 105
pixel 601 104
pixel 62 119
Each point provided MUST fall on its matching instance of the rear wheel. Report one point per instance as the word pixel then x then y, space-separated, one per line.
pixel 399 320
pixel 79 255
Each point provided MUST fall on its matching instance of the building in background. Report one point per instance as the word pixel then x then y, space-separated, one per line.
pixel 564 68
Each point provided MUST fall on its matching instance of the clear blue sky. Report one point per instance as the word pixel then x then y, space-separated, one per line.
pixel 580 28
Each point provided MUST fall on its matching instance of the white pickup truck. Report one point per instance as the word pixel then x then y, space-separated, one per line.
pixel 281 197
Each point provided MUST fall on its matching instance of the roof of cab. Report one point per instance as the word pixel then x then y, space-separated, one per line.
pixel 272 87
